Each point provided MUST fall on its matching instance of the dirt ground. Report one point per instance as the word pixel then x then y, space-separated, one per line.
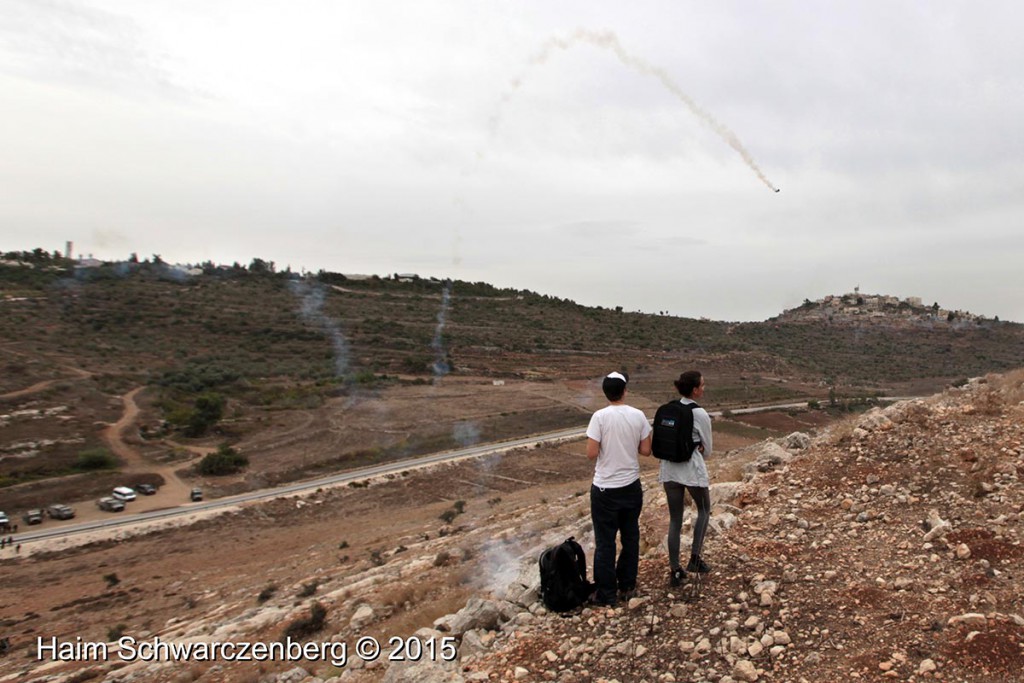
pixel 142 584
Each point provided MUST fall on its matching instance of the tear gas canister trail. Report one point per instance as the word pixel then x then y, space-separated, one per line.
pixel 609 41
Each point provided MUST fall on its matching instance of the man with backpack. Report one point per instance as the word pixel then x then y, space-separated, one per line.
pixel 682 440
pixel 616 435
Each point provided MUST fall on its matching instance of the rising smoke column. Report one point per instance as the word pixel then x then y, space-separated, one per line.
pixel 312 305
pixel 441 367
pixel 609 41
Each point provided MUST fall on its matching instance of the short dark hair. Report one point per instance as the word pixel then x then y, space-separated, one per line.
pixel 687 382
pixel 613 387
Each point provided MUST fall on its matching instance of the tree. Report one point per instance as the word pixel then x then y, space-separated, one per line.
pixel 207 411
pixel 261 267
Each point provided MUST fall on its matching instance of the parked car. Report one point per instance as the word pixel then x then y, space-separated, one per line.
pixel 197 494
pixel 110 504
pixel 4 519
pixel 124 493
pixel 145 489
pixel 60 511
pixel 33 516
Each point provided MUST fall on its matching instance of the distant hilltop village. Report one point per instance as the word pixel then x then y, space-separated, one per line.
pixel 859 308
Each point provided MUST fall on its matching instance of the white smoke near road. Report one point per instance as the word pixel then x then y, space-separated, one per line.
pixel 609 41
pixel 441 366
pixel 312 305
pixel 466 433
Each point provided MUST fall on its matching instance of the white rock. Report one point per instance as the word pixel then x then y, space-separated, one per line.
pixel 970 618
pixel 362 617
pixel 744 670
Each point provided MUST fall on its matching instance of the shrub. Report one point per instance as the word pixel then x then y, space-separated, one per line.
pixel 112 580
pixel 306 626
pixel 96 459
pixel 308 589
pixel 266 594
pixel 208 410
pixel 225 461
pixel 115 632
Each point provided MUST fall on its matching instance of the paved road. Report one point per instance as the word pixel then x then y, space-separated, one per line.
pixel 121 519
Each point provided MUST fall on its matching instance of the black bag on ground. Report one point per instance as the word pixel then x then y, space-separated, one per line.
pixel 673 432
pixel 563 576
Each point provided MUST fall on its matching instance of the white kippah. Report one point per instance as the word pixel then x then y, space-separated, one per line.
pixel 615 375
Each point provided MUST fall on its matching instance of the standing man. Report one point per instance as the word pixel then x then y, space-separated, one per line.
pixel 617 433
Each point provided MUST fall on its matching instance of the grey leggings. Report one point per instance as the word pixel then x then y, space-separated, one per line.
pixel 675 492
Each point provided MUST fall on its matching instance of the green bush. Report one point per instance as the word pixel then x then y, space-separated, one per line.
pixel 96 459
pixel 208 410
pixel 225 461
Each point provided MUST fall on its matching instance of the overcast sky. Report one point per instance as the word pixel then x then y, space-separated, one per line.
pixel 605 152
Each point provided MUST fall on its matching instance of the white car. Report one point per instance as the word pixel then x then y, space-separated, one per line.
pixel 4 520
pixel 124 493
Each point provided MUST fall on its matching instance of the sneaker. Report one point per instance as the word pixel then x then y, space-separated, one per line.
pixel 697 565
pixel 678 577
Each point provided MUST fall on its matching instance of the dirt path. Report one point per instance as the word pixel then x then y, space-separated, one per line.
pixel 46 384
pixel 173 492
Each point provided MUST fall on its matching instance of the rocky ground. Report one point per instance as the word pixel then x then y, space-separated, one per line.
pixel 887 547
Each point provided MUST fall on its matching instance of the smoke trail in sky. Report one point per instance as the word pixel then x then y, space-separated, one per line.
pixel 441 367
pixel 312 305
pixel 609 41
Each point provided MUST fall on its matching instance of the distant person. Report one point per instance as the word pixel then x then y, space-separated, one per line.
pixel 616 435
pixel 692 476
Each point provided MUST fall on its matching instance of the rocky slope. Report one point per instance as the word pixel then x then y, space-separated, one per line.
pixel 888 547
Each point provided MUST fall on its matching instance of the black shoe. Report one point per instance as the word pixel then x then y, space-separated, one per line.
pixel 595 601
pixel 625 594
pixel 678 577
pixel 697 565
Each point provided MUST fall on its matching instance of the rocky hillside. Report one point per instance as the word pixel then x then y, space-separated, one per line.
pixel 882 310
pixel 888 549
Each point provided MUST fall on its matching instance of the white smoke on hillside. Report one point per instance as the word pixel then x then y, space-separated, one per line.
pixel 312 297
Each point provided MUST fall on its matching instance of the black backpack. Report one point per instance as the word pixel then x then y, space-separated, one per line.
pixel 673 432
pixel 563 576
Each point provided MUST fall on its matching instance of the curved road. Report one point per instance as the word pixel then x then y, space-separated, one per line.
pixel 352 475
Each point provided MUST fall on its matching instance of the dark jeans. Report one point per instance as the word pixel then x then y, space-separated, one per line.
pixel 616 511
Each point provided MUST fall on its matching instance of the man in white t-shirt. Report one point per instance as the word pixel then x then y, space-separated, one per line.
pixel 616 435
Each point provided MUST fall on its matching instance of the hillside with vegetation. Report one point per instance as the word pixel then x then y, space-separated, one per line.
pixel 242 354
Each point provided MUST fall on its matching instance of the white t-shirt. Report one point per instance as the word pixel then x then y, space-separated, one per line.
pixel 619 429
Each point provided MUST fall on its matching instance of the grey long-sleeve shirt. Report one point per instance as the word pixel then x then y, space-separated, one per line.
pixel 694 472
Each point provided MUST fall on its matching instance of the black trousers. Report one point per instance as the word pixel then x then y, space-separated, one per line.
pixel 616 511
pixel 674 492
